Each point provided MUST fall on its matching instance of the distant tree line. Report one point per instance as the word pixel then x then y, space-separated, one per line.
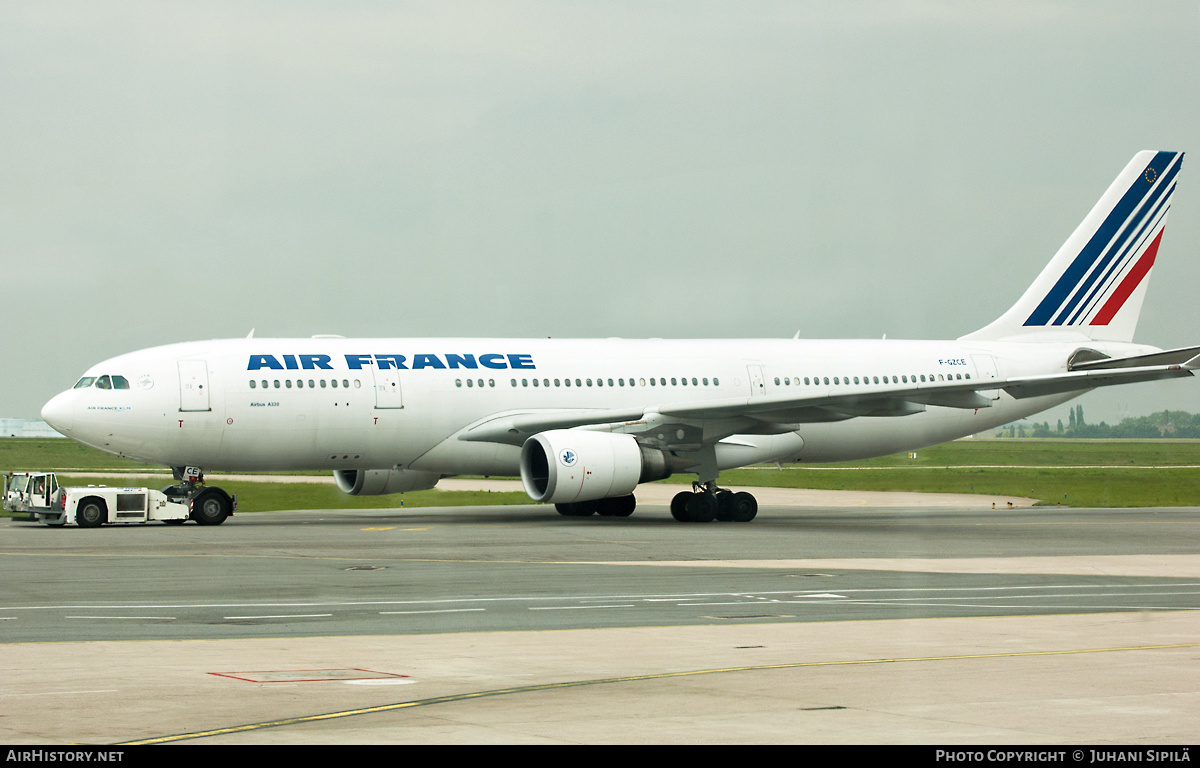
pixel 1163 424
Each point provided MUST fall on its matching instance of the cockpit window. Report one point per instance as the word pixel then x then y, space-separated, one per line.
pixel 120 382
pixel 103 383
pixel 86 381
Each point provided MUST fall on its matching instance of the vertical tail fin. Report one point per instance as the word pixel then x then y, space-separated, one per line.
pixel 1095 284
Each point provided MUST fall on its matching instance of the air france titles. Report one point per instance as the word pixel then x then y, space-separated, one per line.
pixel 445 361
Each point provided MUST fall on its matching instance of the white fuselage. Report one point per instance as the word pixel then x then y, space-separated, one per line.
pixel 324 403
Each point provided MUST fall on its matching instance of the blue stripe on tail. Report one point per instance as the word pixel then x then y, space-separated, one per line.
pixel 1087 257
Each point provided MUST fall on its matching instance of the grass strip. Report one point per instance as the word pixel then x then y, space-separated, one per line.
pixel 1150 474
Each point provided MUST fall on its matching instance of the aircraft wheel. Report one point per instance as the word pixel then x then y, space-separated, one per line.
pixel 578 509
pixel 91 513
pixel 210 508
pixel 744 507
pixel 626 505
pixel 679 506
pixel 725 505
pixel 702 508
pixel 617 506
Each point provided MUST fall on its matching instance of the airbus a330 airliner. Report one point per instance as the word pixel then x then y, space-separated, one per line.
pixel 585 421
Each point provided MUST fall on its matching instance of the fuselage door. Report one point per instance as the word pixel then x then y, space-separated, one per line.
pixel 193 385
pixel 757 382
pixel 387 388
pixel 985 370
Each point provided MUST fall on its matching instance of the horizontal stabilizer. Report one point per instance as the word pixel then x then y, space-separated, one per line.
pixel 1076 381
pixel 1184 356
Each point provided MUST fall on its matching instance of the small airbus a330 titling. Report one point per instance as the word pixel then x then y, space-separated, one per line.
pixel 585 421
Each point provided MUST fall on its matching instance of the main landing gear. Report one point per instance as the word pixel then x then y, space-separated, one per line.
pixel 708 502
pixel 700 506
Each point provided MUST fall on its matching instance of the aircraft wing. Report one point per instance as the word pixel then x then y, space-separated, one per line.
pixel 516 427
pixel 784 413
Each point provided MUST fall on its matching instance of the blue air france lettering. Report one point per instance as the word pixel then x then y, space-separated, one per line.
pixel 446 361
pixel 604 415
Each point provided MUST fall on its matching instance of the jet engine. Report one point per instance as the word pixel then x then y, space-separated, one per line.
pixel 570 465
pixel 377 482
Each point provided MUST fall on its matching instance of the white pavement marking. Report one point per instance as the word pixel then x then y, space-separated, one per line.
pixel 285 616
pixel 1151 566
pixel 447 610
pixel 576 607
pixel 137 618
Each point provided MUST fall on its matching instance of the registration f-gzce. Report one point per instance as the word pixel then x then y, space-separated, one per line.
pixel 585 421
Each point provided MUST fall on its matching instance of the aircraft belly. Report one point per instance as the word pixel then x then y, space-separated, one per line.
pixel 866 438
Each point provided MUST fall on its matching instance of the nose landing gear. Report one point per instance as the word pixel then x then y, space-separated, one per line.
pixel 210 505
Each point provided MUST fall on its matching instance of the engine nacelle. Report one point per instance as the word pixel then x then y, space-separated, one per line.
pixel 377 482
pixel 569 465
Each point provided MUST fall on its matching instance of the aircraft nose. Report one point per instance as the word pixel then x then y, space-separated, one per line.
pixel 59 413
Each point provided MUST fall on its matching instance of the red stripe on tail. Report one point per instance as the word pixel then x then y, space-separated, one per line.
pixel 1128 285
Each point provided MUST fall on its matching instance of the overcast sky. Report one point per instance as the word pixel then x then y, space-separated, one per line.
pixel 171 172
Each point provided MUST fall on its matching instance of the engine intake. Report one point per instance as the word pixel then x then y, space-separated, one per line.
pixel 377 482
pixel 568 465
